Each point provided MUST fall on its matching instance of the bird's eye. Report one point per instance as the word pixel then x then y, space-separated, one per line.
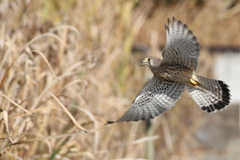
pixel 148 59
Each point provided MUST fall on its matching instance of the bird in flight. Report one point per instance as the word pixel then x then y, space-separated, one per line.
pixel 172 74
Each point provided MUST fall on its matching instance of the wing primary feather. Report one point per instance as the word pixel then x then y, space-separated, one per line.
pixel 175 26
pixel 190 33
pixel 109 122
pixel 166 28
pixel 181 28
pixel 195 38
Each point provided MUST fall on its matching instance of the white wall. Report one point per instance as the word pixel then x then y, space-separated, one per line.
pixel 227 69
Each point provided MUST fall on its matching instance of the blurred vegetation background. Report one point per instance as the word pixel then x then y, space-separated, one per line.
pixel 68 66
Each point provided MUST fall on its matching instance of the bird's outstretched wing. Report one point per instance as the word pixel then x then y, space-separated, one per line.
pixel 155 98
pixel 182 46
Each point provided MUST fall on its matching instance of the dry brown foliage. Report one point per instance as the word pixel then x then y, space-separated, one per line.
pixel 66 67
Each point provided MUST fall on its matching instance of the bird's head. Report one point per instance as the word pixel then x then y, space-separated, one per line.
pixel 151 62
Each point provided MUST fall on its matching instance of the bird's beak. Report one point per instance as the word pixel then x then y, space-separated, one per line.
pixel 145 61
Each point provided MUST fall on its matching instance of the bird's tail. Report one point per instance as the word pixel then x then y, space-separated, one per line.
pixel 210 94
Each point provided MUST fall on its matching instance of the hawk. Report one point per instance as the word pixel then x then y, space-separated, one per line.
pixel 174 73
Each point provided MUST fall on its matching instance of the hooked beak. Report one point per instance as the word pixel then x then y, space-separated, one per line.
pixel 144 62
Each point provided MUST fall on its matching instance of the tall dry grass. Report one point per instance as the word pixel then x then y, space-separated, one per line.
pixel 66 67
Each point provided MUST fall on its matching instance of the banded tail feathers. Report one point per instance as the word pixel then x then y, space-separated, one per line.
pixel 211 94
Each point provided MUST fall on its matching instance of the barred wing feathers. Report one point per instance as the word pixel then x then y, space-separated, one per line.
pixel 182 46
pixel 156 97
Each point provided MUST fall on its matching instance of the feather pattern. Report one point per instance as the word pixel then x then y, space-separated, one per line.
pixel 172 74
pixel 212 95
pixel 182 46
pixel 156 97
